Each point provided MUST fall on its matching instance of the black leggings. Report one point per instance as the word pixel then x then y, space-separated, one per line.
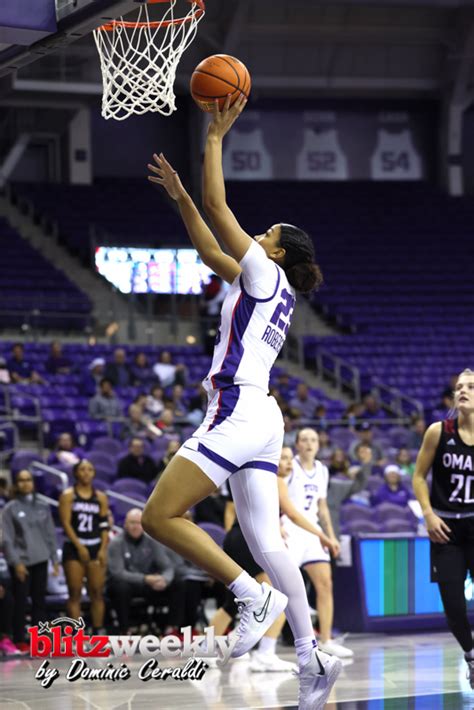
pixel 454 603
pixel 35 587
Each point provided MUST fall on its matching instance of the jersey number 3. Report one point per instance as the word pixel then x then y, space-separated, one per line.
pixel 282 314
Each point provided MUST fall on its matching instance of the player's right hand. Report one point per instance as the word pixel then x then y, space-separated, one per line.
pixel 437 529
pixel 21 572
pixel 166 176
pixel 83 553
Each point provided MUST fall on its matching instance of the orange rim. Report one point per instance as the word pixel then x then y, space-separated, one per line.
pixel 110 26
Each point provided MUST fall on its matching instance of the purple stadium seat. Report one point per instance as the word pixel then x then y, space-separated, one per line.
pixel 23 459
pixel 107 445
pixel 120 508
pixel 362 526
pixel 130 487
pixel 399 526
pixel 352 511
pixel 215 531
pixel 383 511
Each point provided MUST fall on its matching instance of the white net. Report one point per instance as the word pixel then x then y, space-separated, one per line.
pixel 139 60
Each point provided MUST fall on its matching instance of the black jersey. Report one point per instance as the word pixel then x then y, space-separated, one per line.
pixel 86 520
pixel 452 488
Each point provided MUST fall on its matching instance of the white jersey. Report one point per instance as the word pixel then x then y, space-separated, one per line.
pixel 395 157
pixel 321 157
pixel 246 157
pixel 306 488
pixel 255 318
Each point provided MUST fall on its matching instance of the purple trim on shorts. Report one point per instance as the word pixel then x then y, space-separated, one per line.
pixel 263 465
pixel 316 562
pixel 215 458
pixel 260 300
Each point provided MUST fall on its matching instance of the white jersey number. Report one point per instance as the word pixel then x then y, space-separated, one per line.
pixel 461 482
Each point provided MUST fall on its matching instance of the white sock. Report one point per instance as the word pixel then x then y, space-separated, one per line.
pixel 245 586
pixel 267 645
pixel 304 647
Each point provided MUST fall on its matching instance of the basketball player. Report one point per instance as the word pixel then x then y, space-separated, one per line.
pixel 264 659
pixel 241 435
pixel 307 490
pixel 84 517
pixel 448 450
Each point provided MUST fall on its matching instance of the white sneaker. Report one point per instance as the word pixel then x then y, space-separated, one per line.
pixel 335 649
pixel 270 663
pixel 470 672
pixel 316 680
pixel 257 615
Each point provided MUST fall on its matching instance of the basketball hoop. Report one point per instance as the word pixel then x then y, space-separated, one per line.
pixel 139 59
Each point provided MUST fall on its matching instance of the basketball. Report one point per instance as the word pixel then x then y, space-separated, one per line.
pixel 216 77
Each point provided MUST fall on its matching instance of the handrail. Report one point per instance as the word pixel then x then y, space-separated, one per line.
pixel 10 425
pixel 125 499
pixel 54 471
pixel 47 499
pixel 397 398
pixel 339 364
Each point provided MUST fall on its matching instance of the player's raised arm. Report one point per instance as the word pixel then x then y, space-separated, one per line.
pixel 201 236
pixel 214 198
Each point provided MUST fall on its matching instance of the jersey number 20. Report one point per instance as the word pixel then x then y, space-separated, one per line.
pixel 461 482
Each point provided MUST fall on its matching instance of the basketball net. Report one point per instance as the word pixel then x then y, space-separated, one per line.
pixel 139 59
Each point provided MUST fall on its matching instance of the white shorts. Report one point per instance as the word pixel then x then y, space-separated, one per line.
pixel 243 428
pixel 306 548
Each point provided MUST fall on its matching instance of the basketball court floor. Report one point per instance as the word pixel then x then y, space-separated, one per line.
pixel 416 672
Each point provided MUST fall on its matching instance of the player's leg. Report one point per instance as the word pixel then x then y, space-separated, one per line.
pixel 321 578
pixel 454 604
pixel 182 485
pixel 95 574
pixel 75 572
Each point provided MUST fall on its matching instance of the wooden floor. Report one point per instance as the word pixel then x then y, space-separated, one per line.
pixel 422 672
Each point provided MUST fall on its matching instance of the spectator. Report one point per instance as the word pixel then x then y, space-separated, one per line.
pixel 392 490
pixel 139 567
pixel 353 414
pixel 171 450
pixel 283 384
pixel 136 464
pixel 404 461
pixel 339 462
pixel 5 378
pixel 292 424
pixel 105 405
pixel 141 372
pixel 372 408
pixel 325 449
pixel 166 421
pixel 139 424
pixel 20 369
pixel 275 392
pixel 417 432
pixel 365 436
pixel 65 451
pixel 154 403
pixel 364 457
pixel 29 541
pixel 178 403
pixel 320 416
pixel 341 487
pixel 57 363
pixel 303 401
pixel 93 376
pixel 169 374
pixel 118 371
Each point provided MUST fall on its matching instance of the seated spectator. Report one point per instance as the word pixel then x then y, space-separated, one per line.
pixel 166 421
pixel 325 449
pixel 4 495
pixel 118 371
pixel 292 424
pixel 364 457
pixel 404 461
pixel 283 384
pixel 65 451
pixel 154 403
pixel 211 509
pixel 105 404
pixel 320 416
pixel 372 408
pixel 303 401
pixel 141 372
pixel 139 424
pixel 167 373
pixel 178 403
pixel 139 567
pixel 365 436
pixel 343 486
pixel 136 464
pixel 57 363
pixel 339 462
pixel 171 450
pixel 21 371
pixel 353 414
pixel 417 432
pixel 392 490
pixel 92 378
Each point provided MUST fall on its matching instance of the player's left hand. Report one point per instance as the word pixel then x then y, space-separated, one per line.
pixel 222 121
pixel 166 176
pixel 334 547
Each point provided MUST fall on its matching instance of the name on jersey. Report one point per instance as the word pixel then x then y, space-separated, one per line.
pixel 272 337
pixel 463 462
pixel 85 507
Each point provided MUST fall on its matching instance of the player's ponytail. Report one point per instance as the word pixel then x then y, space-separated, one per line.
pixel 301 270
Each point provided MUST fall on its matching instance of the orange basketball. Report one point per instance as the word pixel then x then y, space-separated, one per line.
pixel 216 77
